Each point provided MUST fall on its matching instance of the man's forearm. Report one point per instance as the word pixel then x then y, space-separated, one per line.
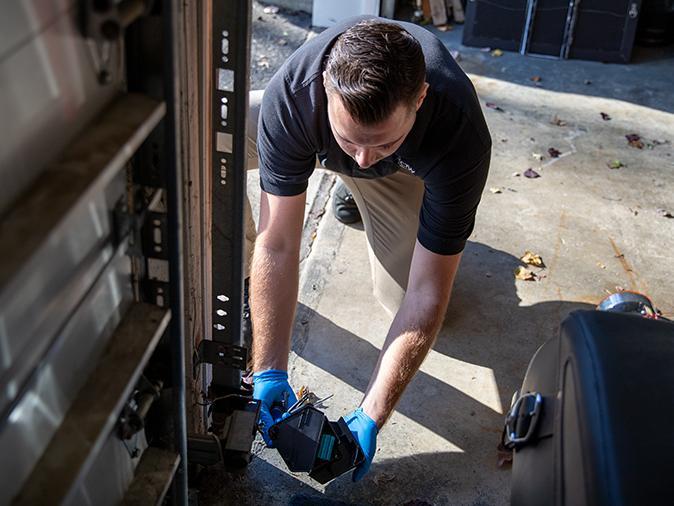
pixel 409 340
pixel 274 282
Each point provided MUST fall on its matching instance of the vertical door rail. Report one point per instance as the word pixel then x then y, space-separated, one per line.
pixel 230 59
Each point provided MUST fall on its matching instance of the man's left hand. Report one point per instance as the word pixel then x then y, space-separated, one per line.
pixel 365 430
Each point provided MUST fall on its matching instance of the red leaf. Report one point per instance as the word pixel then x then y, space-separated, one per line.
pixel 635 141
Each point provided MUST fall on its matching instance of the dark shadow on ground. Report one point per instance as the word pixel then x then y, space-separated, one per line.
pixel 420 480
pixel 485 326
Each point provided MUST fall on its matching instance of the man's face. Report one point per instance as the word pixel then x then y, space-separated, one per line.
pixel 368 144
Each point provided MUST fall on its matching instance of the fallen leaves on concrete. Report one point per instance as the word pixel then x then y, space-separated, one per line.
pixel 537 156
pixel 536 79
pixel 554 153
pixel 492 105
pixel 635 141
pixel 532 258
pixel 494 189
pixel 497 53
pixel 605 116
pixel 516 174
pixel 615 164
pixel 665 213
pixel 531 173
pixel 524 274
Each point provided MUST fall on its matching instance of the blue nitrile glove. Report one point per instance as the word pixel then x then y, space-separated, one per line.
pixel 272 388
pixel 365 430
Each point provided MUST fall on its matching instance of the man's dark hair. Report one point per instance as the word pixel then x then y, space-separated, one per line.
pixel 373 67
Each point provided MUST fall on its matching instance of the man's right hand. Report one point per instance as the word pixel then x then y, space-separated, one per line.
pixel 271 387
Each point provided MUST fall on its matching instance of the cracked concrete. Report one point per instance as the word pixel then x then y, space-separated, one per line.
pixel 595 227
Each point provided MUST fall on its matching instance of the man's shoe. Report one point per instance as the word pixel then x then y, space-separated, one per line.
pixel 344 206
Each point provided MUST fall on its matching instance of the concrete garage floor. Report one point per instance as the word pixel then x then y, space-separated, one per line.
pixel 596 229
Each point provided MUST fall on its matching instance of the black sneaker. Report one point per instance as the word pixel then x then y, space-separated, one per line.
pixel 344 206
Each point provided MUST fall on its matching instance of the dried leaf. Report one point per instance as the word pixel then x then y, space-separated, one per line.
pixel 557 121
pixel 605 116
pixel 554 153
pixel 635 141
pixel 601 265
pixel 492 105
pixel 615 164
pixel 497 52
pixel 524 274
pixel 665 213
pixel 531 173
pixel 495 190
pixel 537 156
pixel 263 61
pixel 516 174
pixel 532 258
pixel 536 79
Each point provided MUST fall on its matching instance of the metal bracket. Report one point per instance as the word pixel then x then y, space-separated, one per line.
pixel 102 22
pixel 217 353
pixel 105 20
pixel 156 292
pixel 154 235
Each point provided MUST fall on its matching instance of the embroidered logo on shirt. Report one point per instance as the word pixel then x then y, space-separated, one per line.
pixel 404 165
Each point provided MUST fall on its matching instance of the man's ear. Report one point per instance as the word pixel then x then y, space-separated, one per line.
pixel 422 96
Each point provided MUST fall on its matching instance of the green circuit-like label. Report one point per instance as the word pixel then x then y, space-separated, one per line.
pixel 326 446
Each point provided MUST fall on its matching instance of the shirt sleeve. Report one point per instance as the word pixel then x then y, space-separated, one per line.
pixel 286 154
pixel 449 206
